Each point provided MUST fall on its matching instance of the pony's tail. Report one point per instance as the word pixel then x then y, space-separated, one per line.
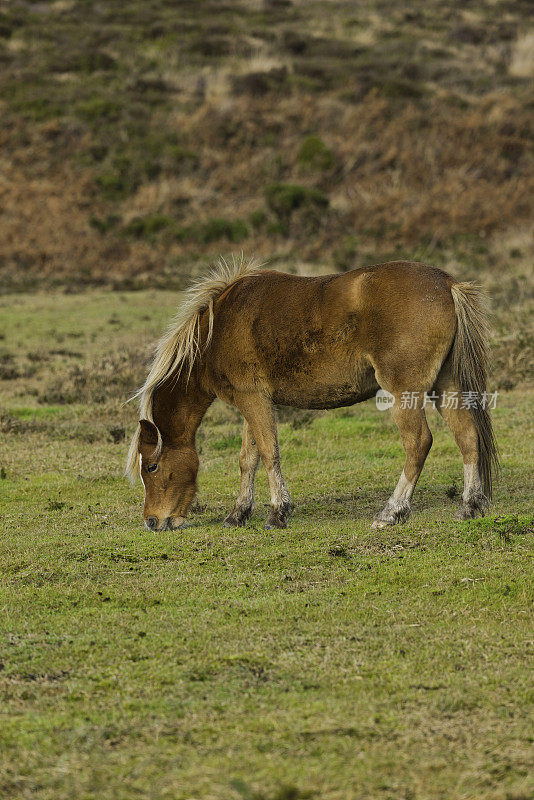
pixel 470 372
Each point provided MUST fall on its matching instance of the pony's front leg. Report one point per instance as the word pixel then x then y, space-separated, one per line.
pixel 258 411
pixel 249 458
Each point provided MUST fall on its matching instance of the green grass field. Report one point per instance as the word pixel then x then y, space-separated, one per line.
pixel 323 661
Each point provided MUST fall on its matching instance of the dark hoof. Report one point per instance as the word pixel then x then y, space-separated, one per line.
pixel 278 517
pixel 238 518
pixel 393 513
pixel 474 506
pixel 467 512
pixel 274 524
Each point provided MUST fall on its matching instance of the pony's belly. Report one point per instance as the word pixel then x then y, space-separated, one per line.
pixel 326 385
pixel 318 397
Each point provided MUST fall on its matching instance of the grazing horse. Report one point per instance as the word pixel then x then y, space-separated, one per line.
pixel 256 337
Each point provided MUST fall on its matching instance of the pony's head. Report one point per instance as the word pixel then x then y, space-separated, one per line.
pixel 169 474
pixel 169 468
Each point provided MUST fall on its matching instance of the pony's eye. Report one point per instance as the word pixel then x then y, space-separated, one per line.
pixel 151 467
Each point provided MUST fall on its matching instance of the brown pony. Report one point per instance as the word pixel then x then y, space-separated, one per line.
pixel 254 338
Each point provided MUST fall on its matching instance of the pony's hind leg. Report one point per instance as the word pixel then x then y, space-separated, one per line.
pixel 249 459
pixel 461 423
pixel 258 411
pixel 417 441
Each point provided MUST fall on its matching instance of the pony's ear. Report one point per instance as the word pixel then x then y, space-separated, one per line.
pixel 148 433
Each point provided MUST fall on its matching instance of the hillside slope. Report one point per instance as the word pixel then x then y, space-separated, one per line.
pixel 139 141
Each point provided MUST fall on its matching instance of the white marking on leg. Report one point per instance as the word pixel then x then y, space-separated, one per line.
pixel 245 498
pixel 397 508
pixel 472 484
pixel 248 463
pixel 403 489
pixel 279 491
pixel 474 501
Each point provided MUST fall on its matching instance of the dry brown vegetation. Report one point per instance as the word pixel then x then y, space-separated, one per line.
pixel 139 141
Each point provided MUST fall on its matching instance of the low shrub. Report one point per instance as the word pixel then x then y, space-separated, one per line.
pixel 103 379
pixel 114 186
pixel 104 224
pixel 285 198
pixel 258 219
pixel 98 107
pixel 259 83
pixel 400 88
pixel 314 154
pixel 220 228
pixel 147 227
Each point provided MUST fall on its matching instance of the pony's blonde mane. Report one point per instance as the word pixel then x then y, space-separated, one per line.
pixel 179 346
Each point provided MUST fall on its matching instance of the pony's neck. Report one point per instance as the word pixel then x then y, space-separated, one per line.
pixel 178 409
